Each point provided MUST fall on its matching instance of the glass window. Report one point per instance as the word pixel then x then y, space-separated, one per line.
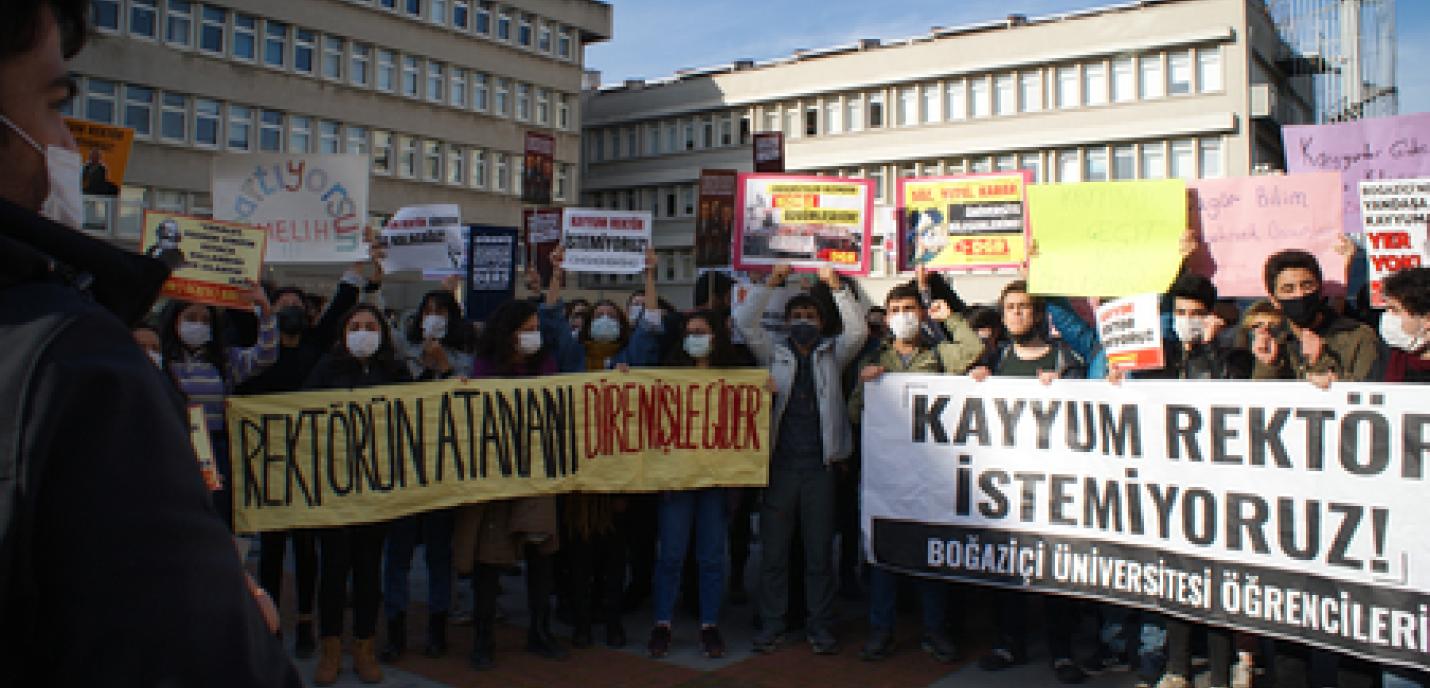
pixel 832 112
pixel 1209 70
pixel 687 200
pixel 240 127
pixel 409 76
pixel 328 137
pixel 980 97
pixel 504 25
pixel 456 166
pixel 357 140
pixel 461 14
pixel 105 14
pixel 523 31
pixel 437 11
pixel 99 100
pixel 413 7
pixel 386 70
pixel 563 181
pixel 933 96
pixel 1154 161
pixel 543 107
pixel 143 17
pixel 300 134
pixel 632 150
pixel 688 127
pixel 245 36
pixel 477 162
pixel 431 161
pixel 1069 170
pixel 543 38
pixel 479 92
pixel 1068 87
pixel 381 152
pixel 876 176
pixel 957 100
pixel 387 4
pixel 727 131
pixel 436 77
pixel 1151 83
pixel 772 119
pixel 139 109
pixel 503 97
pixel 523 102
pixel 1005 95
pixel 270 130
pixel 457 87
pixel 1184 159
pixel 1123 80
pixel 1030 87
pixel 563 114
pixel 206 122
pixel 305 49
pixel 517 166
pixel 854 113
pixel 1124 162
pixel 484 17
pixel 359 60
pixel 275 44
pixel 908 107
pixel 652 146
pixel 795 127
pixel 332 57
pixel 1034 163
pixel 876 109
pixel 1179 71
pixel 499 175
pixel 563 43
pixel 406 157
pixel 212 25
pixel 1094 81
pixel 1004 163
pixel 180 27
pixel 1209 158
pixel 671 132
pixel 1096 160
pixel 174 117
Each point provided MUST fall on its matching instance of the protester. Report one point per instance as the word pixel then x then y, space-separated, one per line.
pixel 147 337
pixel 578 311
pixel 604 334
pixel 811 434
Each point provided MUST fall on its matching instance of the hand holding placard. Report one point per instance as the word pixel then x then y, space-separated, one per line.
pixel 1078 226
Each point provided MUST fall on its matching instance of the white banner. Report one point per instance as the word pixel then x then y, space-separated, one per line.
pixel 314 207
pixel 1273 507
pixel 429 238
pixel 605 241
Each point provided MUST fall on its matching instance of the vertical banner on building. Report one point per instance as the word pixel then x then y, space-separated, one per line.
pixel 541 232
pixel 211 261
pixel 538 168
pixel 1373 148
pixel 605 241
pixel 809 222
pixel 1395 214
pixel 105 149
pixel 1130 331
pixel 770 152
pixel 314 207
pixel 715 219
pixel 976 221
pixel 425 238
pixel 491 269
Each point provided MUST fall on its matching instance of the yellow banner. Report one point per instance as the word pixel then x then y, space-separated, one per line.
pixel 212 261
pixel 964 222
pixel 327 458
pixel 105 149
pixel 1080 228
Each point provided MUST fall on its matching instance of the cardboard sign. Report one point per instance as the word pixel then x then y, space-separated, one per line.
pixel 769 149
pixel 605 241
pixel 715 219
pixel 963 222
pixel 105 149
pixel 427 238
pixel 541 231
pixel 1362 150
pixel 491 269
pixel 537 171
pixel 314 207
pixel 1130 330
pixel 211 262
pixel 806 221
pixel 1395 213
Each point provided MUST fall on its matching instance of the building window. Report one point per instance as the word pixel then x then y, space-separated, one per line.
pixel 386 70
pixel 908 107
pixel 688 126
pixel 1068 87
pixel 1209 70
pixel 461 14
pixel 387 4
pixel 523 31
pixel 596 145
pixel 1184 159
pixel 1179 72
pixel 669 193
pixel 332 57
pixel 543 107
pixel 932 98
pixel 431 161
pixel 406 157
pixel 1154 161
pixel 357 141
pixel 245 36
pixel 436 77
pixel 180 27
pixel 652 145
pixel 1005 95
pixel 1094 82
pixel 543 38
pixel 518 166
pixel 563 181
pixel 632 149
pixel 876 175
pixel 484 18
pixel 1151 83
pixel 499 180
pixel 174 117
pixel 504 25
pixel 305 49
pixel 1032 162
pixel 409 76
pixel 615 135
pixel 456 166
pixel 1069 169
pixel 329 141
pixel 794 125
pixel 212 25
pixel 671 132
pixel 437 11
pixel 979 96
pixel 523 102
pixel 503 97
pixel 1095 159
pixel 300 134
pixel 563 116
pixel 275 44
pixel 1124 80
pixel 413 7
pixel 1004 163
pixel 727 133
pixel 99 100
pixel 687 201
pixel 270 131
pixel 139 109
pixel 479 92
pixel 1124 162
pixel 1209 158
pixel 477 159
pixel 206 122
pixel 876 109
pixel 457 87
pixel 240 127
pixel 143 17
pixel 105 14
pixel 1030 85
pixel 381 152
pixel 563 43
pixel 359 61
pixel 853 113
pixel 832 111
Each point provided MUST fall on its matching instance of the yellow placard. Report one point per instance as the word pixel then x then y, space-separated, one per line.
pixel 1106 238
pixel 211 261
pixel 963 222
pixel 327 458
pixel 105 149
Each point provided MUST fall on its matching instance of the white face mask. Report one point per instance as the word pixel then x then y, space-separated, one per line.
pixel 904 326
pixel 697 345
pixel 364 343
pixel 605 329
pixel 1392 330
pixel 528 342
pixel 434 326
pixel 65 202
pixel 157 358
pixel 1190 330
pixel 195 334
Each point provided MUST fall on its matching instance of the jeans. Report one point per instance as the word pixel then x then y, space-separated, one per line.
pixel 436 530
pixel 707 509
pixel 355 550
pixel 273 545
pixel 806 496
pixel 883 596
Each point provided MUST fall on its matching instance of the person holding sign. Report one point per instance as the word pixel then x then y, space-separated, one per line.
pixel 908 351
pixel 1319 344
pixel 812 435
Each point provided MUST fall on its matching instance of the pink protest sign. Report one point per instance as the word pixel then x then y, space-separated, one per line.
pixel 1363 150
pixel 1242 220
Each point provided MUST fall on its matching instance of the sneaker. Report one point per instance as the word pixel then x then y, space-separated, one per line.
pixel 998 659
pixel 767 641
pixel 1173 681
pixel 938 644
pixel 1067 671
pixel 823 642
pixel 1105 660
pixel 711 644
pixel 659 644
pixel 879 646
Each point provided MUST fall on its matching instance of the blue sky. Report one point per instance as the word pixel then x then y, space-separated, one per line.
pixel 653 38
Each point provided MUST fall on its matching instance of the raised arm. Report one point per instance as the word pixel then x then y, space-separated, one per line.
pixel 748 317
pixel 570 355
pixel 246 361
pixel 856 325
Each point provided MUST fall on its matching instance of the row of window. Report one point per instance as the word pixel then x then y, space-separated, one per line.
pixel 247 38
pixel 182 119
pixel 497 22
pixel 1095 83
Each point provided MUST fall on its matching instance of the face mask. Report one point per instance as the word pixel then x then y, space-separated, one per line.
pixel 292 319
pixel 1190 330
pixel 157 358
pixel 195 334
pixel 605 329
pixel 1302 311
pixel 434 326
pixel 905 326
pixel 1392 330
pixel 528 342
pixel 65 202
pixel 364 343
pixel 697 345
pixel 804 333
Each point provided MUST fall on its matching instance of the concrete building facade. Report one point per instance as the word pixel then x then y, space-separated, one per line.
pixel 1149 89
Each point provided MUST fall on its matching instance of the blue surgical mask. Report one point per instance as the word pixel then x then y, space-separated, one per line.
pixel 605 329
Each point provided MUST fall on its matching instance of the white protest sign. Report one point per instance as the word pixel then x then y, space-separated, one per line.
pixel 429 238
pixel 1130 330
pixel 605 241
pixel 1395 213
pixel 314 207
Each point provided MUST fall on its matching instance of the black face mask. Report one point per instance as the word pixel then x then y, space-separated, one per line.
pixel 292 320
pixel 803 333
pixel 1302 311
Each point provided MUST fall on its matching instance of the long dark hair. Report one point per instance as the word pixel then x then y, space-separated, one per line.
pixel 497 343
pixel 457 329
pixel 174 349
pixel 386 355
pixel 722 352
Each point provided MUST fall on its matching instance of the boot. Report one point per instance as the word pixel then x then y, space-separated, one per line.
pixel 539 638
pixel 396 638
pixel 365 661
pixel 482 645
pixel 436 635
pixel 484 609
pixel 330 660
pixel 303 646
